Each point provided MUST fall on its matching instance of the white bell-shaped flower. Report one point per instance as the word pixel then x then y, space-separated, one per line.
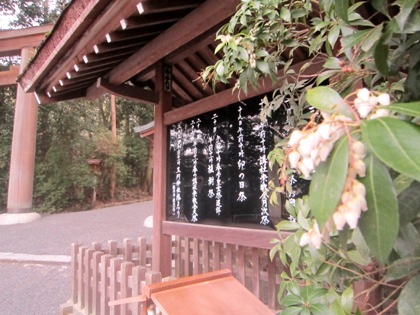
pixel 384 99
pixel 294 158
pixel 363 94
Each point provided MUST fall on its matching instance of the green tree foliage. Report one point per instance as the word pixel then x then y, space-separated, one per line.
pixel 62 176
pixel 360 147
pixel 24 13
pixel 70 134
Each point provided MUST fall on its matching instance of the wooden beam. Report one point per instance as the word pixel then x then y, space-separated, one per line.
pixel 187 84
pixel 12 42
pixel 44 99
pixel 121 36
pixel 128 92
pixel 8 77
pixel 94 73
pixel 109 47
pixel 194 45
pixel 162 6
pixel 162 252
pixel 232 235
pixel 142 21
pixel 190 27
pixel 231 96
pixel 194 75
pixel 92 57
pixel 94 65
pixel 59 90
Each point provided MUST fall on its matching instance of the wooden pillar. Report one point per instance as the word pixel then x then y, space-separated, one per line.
pixel 161 253
pixel 22 164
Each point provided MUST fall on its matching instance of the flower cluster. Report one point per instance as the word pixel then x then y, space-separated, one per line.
pixel 366 102
pixel 311 147
pixel 313 237
pixel 353 200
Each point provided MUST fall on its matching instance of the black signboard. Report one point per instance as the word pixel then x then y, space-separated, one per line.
pixel 218 167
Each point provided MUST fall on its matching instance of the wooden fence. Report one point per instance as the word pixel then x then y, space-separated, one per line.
pixel 251 266
pixel 100 275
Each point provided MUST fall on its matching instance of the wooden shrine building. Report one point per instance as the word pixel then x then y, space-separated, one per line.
pixel 205 195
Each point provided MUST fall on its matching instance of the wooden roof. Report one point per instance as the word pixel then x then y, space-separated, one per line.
pixel 102 45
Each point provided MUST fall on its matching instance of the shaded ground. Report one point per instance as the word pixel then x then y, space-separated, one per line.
pixel 29 287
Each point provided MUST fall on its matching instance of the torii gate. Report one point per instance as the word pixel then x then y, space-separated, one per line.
pixel 19 201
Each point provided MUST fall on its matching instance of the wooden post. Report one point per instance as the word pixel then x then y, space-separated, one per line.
pixel 114 139
pixel 22 164
pixel 161 254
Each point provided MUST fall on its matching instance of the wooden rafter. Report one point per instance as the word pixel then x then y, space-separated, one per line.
pixel 192 26
pixel 128 92
pixel 84 44
pixel 162 6
pixel 143 21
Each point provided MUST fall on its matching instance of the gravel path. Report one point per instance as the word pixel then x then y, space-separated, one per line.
pixel 34 257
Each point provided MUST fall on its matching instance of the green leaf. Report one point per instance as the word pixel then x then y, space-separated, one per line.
pixel 401 183
pixel 408 242
pixel 347 299
pixel 294 310
pixel 328 100
pixel 220 69
pixel 408 303
pixel 394 142
pixel 379 224
pixel 285 14
pixel 381 58
pixel 263 67
pixel 332 63
pixel 311 294
pixel 357 257
pixel 409 203
pixel 381 6
pixel 333 35
pixel 354 39
pixel 336 308
pixel 406 7
pixel 318 309
pixel 286 225
pixel 409 109
pixel 372 38
pixel 402 268
pixel 341 9
pixel 290 300
pixel 327 183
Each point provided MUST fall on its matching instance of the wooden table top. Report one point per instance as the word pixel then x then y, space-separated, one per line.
pixel 224 295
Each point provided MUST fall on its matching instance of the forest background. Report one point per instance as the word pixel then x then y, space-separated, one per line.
pixel 71 133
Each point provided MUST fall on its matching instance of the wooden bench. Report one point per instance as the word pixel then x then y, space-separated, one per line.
pixel 213 293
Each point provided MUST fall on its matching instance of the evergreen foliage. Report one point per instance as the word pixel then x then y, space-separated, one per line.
pixel 360 148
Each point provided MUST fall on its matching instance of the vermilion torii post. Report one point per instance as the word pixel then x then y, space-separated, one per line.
pixel 22 164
